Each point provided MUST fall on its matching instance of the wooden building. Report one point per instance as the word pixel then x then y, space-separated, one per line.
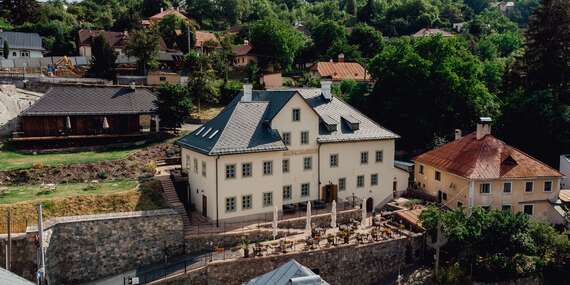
pixel 68 112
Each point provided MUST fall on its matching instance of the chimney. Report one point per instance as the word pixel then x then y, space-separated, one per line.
pixel 484 127
pixel 458 134
pixel 341 57
pixel 247 93
pixel 161 9
pixel 326 89
pixel 246 42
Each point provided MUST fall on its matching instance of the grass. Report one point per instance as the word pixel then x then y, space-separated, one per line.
pixel 78 199
pixel 15 194
pixel 11 159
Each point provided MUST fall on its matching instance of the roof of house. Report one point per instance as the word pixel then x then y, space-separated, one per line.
pixel 7 277
pixel 485 158
pixel 244 127
pixel 101 100
pixel 341 70
pixel 18 40
pixel 429 32
pixel 169 11
pixel 114 39
pixel 292 272
pixel 564 195
pixel 243 49
pixel 202 37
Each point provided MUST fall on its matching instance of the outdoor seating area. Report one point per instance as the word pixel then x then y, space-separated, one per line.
pixel 302 206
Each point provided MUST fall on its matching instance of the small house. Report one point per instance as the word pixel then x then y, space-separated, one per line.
pixel 21 45
pixel 341 70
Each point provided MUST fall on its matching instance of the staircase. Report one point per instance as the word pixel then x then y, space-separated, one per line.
pixel 169 194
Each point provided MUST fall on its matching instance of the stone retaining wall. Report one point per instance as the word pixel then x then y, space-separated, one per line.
pixel 24 257
pixel 343 265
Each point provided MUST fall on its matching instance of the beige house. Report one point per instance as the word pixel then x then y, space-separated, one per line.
pixel 243 54
pixel 154 78
pixel 479 170
pixel 268 149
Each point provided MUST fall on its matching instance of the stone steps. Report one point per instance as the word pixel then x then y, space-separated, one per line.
pixel 169 194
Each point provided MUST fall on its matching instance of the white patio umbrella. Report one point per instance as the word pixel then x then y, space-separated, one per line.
pixel 364 222
pixel 68 122
pixel 333 215
pixel 274 224
pixel 308 225
pixel 105 123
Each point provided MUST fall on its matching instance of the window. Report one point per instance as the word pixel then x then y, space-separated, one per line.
pixel 231 204
pixel 162 78
pixel 286 138
pixel 246 170
pixel 379 156
pixel 304 137
pixel 268 168
pixel 307 163
pixel 444 196
pixel 305 190
pixel 437 175
pixel 395 185
pixel 547 186
pixel 230 171
pixel 341 184
pixel 506 208
pixel 485 188
pixel 246 202
pixel 528 186
pixel 14 54
pixel 285 165
pixel 364 157
pixel 195 165
pixel 287 192
pixel 334 160
pixel 204 168
pixel 188 160
pixel 528 209
pixel 360 181
pixel 507 187
pixel 267 199
pixel 296 115
pixel 373 179
pixel 421 169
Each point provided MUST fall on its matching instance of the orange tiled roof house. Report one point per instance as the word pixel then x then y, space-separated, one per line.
pixel 341 70
pixel 479 170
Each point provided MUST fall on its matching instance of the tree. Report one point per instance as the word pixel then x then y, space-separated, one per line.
pixel 327 34
pixel 20 11
pixel 548 48
pixel 104 57
pixel 477 5
pixel 276 43
pixel 144 46
pixel 427 87
pixel 202 79
pixel 6 50
pixel 167 29
pixel 368 40
pixel 174 105
pixel 351 7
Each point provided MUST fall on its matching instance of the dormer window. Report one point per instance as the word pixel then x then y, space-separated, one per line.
pixel 353 123
pixel 329 123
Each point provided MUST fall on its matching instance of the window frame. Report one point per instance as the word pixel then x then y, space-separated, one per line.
pixel 265 205
pixel 374 182
pixel 270 164
pixel 308 192
pixel 364 158
pixel 544 186
pixel 250 202
pixel 307 163
pixel 510 183
pixel 204 169
pixel 335 160
pixel 289 189
pixel 531 186
pixel 234 204
pixel 286 138
pixel 285 165
pixel 381 154
pixel 231 167
pixel 437 176
pixel 243 172
pixel 524 209
pixel 510 208
pixel 359 179
pixel 305 137
pixel 343 184
pixel 296 115
pixel 421 170
pixel 481 188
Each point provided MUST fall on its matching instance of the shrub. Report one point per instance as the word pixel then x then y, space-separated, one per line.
pixel 102 174
pixel 90 187
pixel 38 165
pixel 150 167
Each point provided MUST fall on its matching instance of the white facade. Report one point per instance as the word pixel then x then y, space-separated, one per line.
pixel 565 170
pixel 309 170
pixel 18 53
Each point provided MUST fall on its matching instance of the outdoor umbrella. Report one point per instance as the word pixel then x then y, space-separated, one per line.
pixel 308 226
pixel 68 122
pixel 333 215
pixel 105 123
pixel 275 217
pixel 364 222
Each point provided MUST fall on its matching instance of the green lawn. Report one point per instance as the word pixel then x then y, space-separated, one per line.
pixel 14 194
pixel 11 159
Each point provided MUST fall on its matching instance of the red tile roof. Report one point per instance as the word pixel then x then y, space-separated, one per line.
pixel 169 11
pixel 242 49
pixel 114 39
pixel 564 195
pixel 429 32
pixel 487 158
pixel 342 70
pixel 203 37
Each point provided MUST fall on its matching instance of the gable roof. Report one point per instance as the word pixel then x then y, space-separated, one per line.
pixel 244 127
pixel 114 39
pixel 486 158
pixel 202 37
pixel 18 40
pixel 426 32
pixel 79 100
pixel 292 272
pixel 341 70
pixel 243 49
pixel 169 11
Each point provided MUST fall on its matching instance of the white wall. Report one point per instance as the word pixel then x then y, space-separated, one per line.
pixel 565 170
pixel 33 53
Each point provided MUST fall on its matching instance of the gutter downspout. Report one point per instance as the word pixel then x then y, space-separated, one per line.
pixel 217 207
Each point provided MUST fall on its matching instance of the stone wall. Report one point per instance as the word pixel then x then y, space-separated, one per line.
pixel 85 248
pixel 343 265
pixel 24 255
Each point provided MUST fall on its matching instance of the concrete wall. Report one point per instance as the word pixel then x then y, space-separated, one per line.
pixel 346 265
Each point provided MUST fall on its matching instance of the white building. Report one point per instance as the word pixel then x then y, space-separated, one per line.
pixel 21 45
pixel 565 170
pixel 278 147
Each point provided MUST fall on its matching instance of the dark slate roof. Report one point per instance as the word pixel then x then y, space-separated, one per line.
pixel 291 272
pixel 17 40
pixel 103 100
pixel 245 126
pixel 7 277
